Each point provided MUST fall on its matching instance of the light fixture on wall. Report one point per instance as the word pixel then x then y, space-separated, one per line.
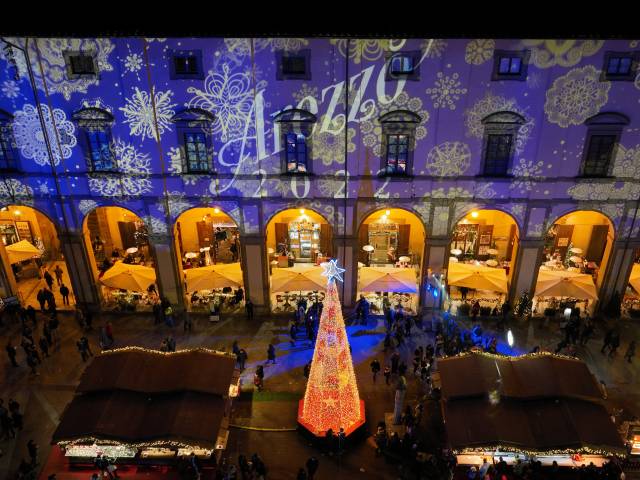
pixel 216 210
pixel 3 209
pixel 474 214
pixel 17 212
pixel 387 212
pixel 301 211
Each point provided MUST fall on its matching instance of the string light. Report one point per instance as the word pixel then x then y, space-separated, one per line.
pixel 584 450
pixel 160 352
pixel 331 400
pixel 478 351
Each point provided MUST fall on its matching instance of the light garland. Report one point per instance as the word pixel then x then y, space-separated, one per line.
pixel 331 400
pixel 499 356
pixel 585 450
pixel 134 348
pixel 106 442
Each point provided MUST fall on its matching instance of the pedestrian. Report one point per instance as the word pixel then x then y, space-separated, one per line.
pixel 293 332
pixel 109 332
pixel 188 325
pixel 463 293
pixel 607 340
pixel 48 279
pixel 168 317
pixel 235 349
pixel 157 313
pixel 41 297
pixel 31 314
pixel 312 467
pixel 631 351
pixel 58 271
pixel 64 291
pixel 475 310
pixel 88 319
pixel 395 361
pixel 16 416
pixel 5 421
pixel 248 306
pixel 375 368
pixel 82 349
pixel 586 333
pixel 387 374
pixel 615 343
pixel 46 332
pixel 33 452
pixel 12 352
pixel 242 358
pixel 307 370
pixel 53 328
pixel 44 346
pixel 302 474
pixel 271 354
pixel 258 378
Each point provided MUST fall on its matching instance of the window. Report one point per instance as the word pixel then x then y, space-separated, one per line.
pixel 8 157
pixel 96 141
pixel 99 141
pixel 186 65
pixel 620 66
pixel 500 135
pixel 80 64
pixel 194 127
pixel 397 153
pixel 196 152
pixel 294 66
pixel 403 65
pixel 603 135
pixel 398 129
pixel 510 65
pixel 296 152
pixel 293 126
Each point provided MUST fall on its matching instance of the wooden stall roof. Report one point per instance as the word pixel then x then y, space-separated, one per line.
pixel 530 377
pixel 140 370
pixel 129 417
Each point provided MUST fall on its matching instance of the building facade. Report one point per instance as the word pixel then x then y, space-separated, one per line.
pixel 343 128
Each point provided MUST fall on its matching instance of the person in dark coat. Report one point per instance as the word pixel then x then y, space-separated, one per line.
pixel 12 352
pixel 375 368
pixel 312 467
pixel 49 279
pixel 64 291
pixel 42 298
pixel 271 354
pixel 248 306
pixel 44 346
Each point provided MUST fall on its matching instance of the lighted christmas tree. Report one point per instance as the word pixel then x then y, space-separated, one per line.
pixel 331 400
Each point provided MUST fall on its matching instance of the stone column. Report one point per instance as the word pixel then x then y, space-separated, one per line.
pixel 346 248
pixel 83 281
pixel 435 262
pixel 618 270
pixel 168 272
pixel 255 271
pixel 526 268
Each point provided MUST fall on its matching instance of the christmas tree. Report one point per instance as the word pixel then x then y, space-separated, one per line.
pixel 523 307
pixel 331 400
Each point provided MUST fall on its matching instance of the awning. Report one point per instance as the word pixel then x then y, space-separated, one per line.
pixel 478 277
pixel 634 279
pixel 135 278
pixel 561 283
pixel 21 251
pixel 387 279
pixel 214 276
pixel 298 278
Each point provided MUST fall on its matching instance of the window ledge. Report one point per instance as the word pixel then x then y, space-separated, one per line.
pixel 197 172
pixel 395 175
pixel 595 177
pixel 485 175
pixel 297 174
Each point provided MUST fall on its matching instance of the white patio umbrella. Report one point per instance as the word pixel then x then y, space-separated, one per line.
pixel 561 283
pixel 298 278
pixel 634 278
pixel 214 276
pixel 21 251
pixel 135 278
pixel 478 277
pixel 388 279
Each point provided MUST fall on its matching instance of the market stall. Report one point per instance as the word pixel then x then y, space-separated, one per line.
pixel 561 289
pixel 21 251
pixel 146 407
pixel 477 281
pixel 556 415
pixel 288 285
pixel 126 286
pixel 399 286
pixel 221 284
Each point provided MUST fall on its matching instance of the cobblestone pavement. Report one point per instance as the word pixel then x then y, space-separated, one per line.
pixel 44 397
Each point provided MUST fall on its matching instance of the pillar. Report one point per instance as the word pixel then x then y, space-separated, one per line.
pixel 618 270
pixel 168 272
pixel 435 262
pixel 74 249
pixel 346 248
pixel 526 267
pixel 255 271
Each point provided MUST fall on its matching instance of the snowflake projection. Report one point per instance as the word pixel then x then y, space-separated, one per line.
pixel 526 175
pixel 534 80
pixel 155 225
pixel 424 210
pixel 87 206
pixel 535 229
pixel 241 47
pixel 156 39
pixel 305 92
pixel 278 186
pixel 43 188
pixel 14 191
pixel 176 203
pixel 485 191
pixel 366 50
pixel 433 47
pixel 446 91
pixel 54 63
pixel 138 113
pixel 604 191
pixel 452 192
pixel 517 210
pixel 229 96
pixel 96 102
pixel 627 162
pixel 613 210
pixel 563 53
pixel 440 220
pixel 133 62
pixel 15 57
pixel 330 147
pixel 30 139
pixel 489 104
pixel 10 89
pixel 372 130
pixel 576 96
pixel 449 159
pixel 479 51
pixel 176 161
pixel 332 187
pixel 136 167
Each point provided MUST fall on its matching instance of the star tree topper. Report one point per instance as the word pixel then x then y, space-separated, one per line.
pixel 332 271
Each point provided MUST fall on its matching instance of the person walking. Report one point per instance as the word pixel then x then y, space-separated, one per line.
pixel 271 354
pixel 42 298
pixel 293 331
pixel 615 343
pixel 395 361
pixel 387 374
pixel 31 315
pixel 248 306
pixel 312 467
pixel 11 353
pixel 258 378
pixel 83 350
pixel 16 416
pixel 631 351
pixel 586 333
pixel 607 340
pixel 188 324
pixel 64 291
pixel 109 332
pixel 235 349
pixel 5 421
pixel 307 370
pixel 33 452
pixel 242 358
pixel 58 272
pixel 44 346
pixel 48 279
pixel 168 316
pixel 375 368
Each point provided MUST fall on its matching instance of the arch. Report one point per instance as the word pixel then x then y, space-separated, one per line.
pixel 559 217
pixel 400 116
pixel 293 207
pixel 608 118
pixel 294 115
pixel 5 116
pixel 129 209
pixel 504 117
pixel 487 207
pixel 375 209
pixel 10 204
pixel 92 114
pixel 189 115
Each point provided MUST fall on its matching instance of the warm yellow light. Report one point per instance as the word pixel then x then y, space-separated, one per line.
pixel 301 211
pixel 3 209
pixel 387 212
pixel 17 212
pixel 216 210
pixel 474 214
